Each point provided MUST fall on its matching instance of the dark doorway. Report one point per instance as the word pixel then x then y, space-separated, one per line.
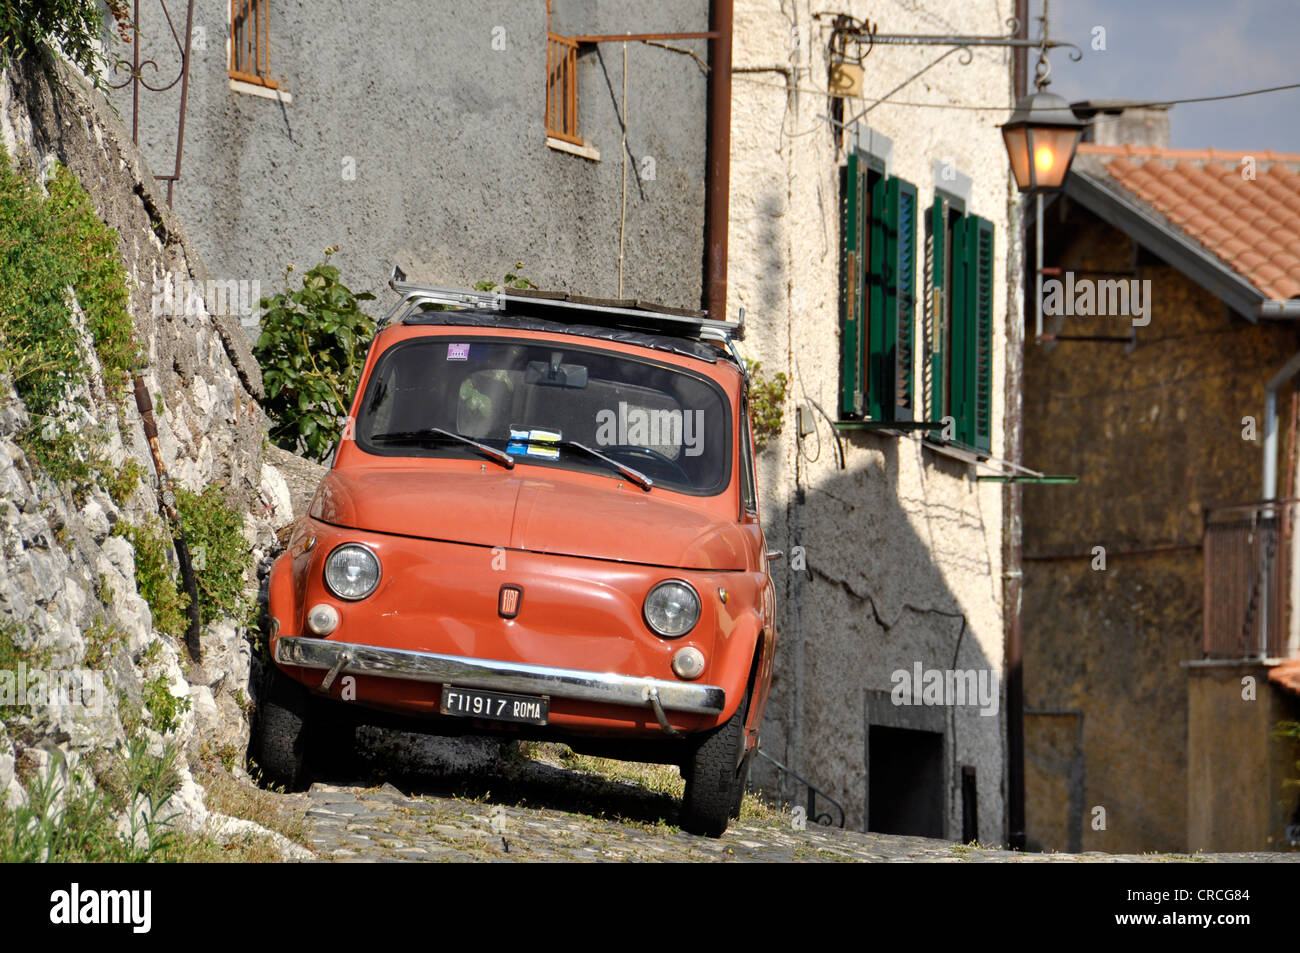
pixel 905 781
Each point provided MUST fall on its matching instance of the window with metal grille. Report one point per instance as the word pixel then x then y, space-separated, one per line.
pixel 562 88
pixel 958 365
pixel 250 42
pixel 878 299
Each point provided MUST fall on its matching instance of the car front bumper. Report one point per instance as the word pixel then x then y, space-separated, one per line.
pixel 338 658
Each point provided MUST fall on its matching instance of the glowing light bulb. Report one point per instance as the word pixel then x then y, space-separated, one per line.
pixel 1044 158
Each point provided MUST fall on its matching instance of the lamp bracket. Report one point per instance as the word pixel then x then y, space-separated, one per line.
pixel 959 41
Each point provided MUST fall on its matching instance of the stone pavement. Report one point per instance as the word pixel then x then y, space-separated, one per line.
pixel 537 821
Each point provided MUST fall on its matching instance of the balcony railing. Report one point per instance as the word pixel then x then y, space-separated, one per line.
pixel 1247 579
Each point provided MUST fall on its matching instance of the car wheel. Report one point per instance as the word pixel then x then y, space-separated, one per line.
pixel 742 785
pixel 714 782
pixel 279 745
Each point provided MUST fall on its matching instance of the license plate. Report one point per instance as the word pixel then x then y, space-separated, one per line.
pixel 496 706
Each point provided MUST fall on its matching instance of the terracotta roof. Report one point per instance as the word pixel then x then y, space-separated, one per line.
pixel 1287 675
pixel 1252 225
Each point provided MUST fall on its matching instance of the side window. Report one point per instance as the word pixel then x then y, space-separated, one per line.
pixel 748 492
pixel 958 364
pixel 878 294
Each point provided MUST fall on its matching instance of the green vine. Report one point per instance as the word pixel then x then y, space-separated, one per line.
pixel 312 348
pixel 36 27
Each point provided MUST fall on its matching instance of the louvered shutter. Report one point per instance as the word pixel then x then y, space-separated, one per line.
pixel 851 342
pixel 936 391
pixel 981 273
pixel 962 338
pixel 903 203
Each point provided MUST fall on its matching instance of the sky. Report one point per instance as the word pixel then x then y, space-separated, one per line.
pixel 1173 49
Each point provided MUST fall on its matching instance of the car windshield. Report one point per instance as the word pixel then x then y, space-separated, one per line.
pixel 529 400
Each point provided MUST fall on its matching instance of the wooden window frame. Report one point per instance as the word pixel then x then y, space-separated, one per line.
pixel 562 89
pixel 260 50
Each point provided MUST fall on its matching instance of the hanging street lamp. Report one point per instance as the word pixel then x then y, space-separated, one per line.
pixel 1041 137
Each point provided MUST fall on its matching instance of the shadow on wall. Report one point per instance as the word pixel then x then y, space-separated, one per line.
pixel 883 697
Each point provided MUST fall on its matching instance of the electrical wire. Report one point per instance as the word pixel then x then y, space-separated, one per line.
pixel 1004 107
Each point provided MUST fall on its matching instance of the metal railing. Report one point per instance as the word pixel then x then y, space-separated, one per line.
pixel 562 88
pixel 135 78
pixel 1247 579
pixel 814 792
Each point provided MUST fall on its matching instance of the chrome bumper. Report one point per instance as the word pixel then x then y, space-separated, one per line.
pixel 604 687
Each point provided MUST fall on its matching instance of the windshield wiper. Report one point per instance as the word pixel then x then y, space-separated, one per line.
pixel 636 476
pixel 417 436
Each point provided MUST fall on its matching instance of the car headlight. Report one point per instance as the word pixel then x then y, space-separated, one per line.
pixel 352 571
pixel 672 608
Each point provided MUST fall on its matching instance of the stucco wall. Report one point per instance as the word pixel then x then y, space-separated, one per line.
pixel 445 136
pixel 1154 435
pixel 903 547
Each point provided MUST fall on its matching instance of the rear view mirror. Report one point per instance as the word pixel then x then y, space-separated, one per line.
pixel 556 375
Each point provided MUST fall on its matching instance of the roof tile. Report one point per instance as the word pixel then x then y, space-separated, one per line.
pixel 1252 224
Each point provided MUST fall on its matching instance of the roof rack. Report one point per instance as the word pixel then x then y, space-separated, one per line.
pixel 640 314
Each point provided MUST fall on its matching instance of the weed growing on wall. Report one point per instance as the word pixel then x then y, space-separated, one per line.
pixel 48 245
pixel 766 404
pixel 153 575
pixel 80 823
pixel 214 529
pixel 164 707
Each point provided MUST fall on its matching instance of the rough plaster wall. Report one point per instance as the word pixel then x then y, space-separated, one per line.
pixel 901 543
pixel 453 179
pixel 1154 435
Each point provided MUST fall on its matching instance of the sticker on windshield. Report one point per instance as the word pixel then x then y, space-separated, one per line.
pixel 458 352
pixel 533 443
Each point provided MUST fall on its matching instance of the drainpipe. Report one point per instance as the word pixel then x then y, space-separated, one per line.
pixel 718 186
pixel 1279 380
pixel 1012 531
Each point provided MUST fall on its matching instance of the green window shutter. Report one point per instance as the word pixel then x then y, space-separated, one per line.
pixel 972 339
pixel 982 274
pixel 904 400
pixel 851 289
pixel 879 297
pixel 893 302
pixel 962 341
pixel 936 394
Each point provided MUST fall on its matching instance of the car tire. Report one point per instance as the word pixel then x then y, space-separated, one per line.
pixel 715 783
pixel 743 785
pixel 279 744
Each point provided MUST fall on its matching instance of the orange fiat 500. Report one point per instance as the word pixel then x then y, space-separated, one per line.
pixel 541 521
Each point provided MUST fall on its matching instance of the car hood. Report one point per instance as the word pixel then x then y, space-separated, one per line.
pixel 531 513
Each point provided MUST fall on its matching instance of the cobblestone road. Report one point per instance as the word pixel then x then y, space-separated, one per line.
pixel 549 812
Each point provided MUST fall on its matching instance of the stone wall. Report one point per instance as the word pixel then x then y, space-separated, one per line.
pixel 1155 434
pixel 64 571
